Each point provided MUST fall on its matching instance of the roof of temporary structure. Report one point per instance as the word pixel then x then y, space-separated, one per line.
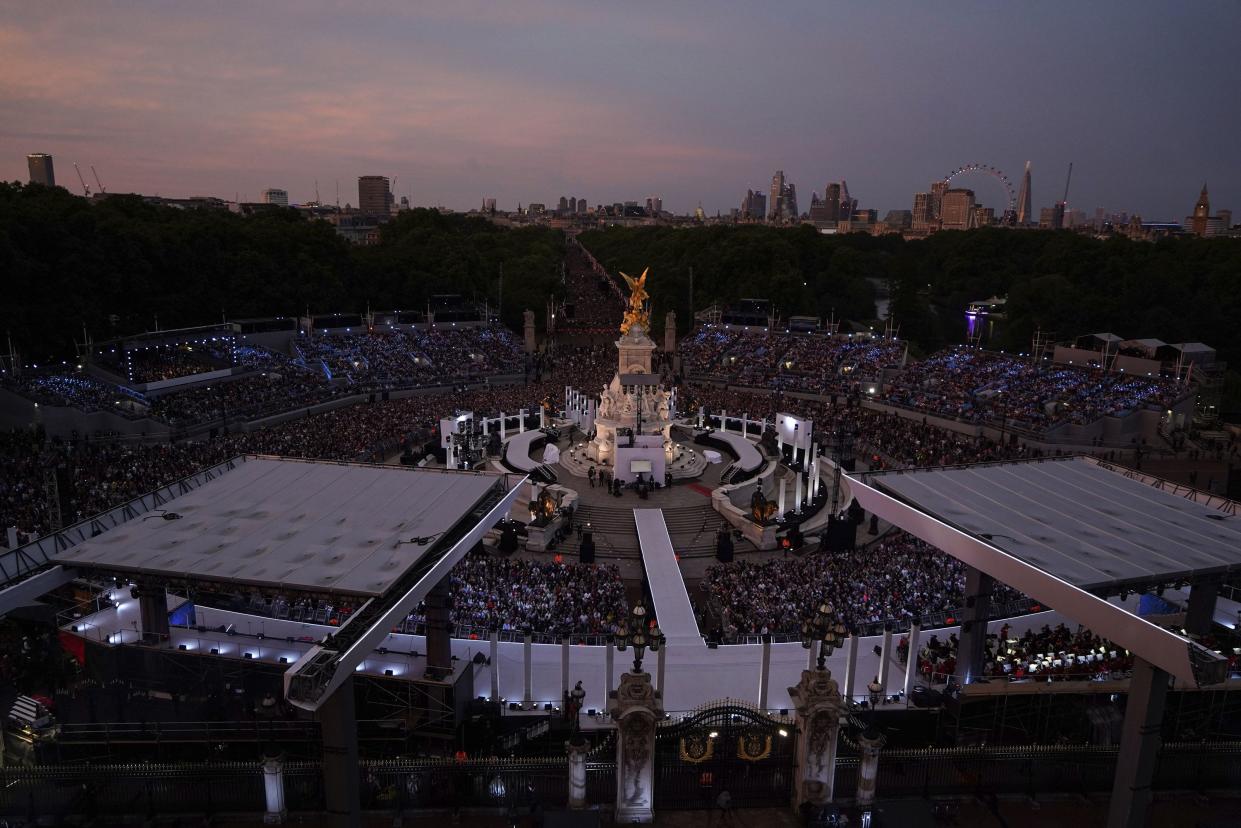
pixel 1086 525
pixel 281 523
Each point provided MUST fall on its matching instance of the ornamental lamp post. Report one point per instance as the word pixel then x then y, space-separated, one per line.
pixel 827 629
pixel 638 637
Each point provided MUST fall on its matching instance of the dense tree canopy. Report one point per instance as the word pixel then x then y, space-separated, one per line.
pixel 113 266
pixel 1183 289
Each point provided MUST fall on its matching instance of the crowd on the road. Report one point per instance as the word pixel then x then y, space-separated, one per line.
pixel 973 385
pixel 494 593
pixel 591 295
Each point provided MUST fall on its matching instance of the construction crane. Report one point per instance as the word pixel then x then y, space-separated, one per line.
pixel 85 189
pixel 1068 179
pixel 97 181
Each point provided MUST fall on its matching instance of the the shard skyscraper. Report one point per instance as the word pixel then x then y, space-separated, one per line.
pixel 1024 213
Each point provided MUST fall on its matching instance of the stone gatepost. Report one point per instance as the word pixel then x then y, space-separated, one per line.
pixel 636 708
pixel 870 743
pixel 819 707
pixel 577 772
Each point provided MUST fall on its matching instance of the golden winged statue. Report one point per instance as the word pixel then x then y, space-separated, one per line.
pixel 637 310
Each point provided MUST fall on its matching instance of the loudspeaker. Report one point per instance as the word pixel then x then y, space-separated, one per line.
pixel 586 552
pixel 723 547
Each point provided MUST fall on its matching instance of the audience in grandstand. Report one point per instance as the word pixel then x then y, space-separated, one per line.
pixel 76 390
pixel 511 594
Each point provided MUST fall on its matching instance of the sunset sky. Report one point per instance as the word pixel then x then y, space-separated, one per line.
pixel 526 101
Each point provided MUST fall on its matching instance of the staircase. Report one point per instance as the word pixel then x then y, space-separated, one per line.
pixel 692 529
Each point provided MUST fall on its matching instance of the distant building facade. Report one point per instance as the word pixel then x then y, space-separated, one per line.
pixel 374 195
pixel 276 196
pixel 957 209
pixel 41 170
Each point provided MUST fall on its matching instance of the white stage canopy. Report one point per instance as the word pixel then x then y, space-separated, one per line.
pixel 283 523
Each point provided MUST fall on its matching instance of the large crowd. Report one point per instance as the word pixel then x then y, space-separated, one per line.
pixel 896 578
pixel 160 362
pixel 816 363
pixel 74 389
pixel 595 299
pixel 392 356
pixel 972 385
pixel 493 593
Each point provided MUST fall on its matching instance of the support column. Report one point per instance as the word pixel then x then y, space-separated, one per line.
pixel 1200 611
pixel 608 672
pixel 495 665
pixel 339 726
pixel 764 675
pixel 153 610
pixel 521 423
pixel 527 653
pixel 780 501
pixel 503 428
pixel 911 663
pixel 1139 747
pixel 564 669
pixel 724 420
pixel 851 666
pixel 885 660
pixel 636 709
pixel 659 670
pixel 819 707
pixel 868 768
pixel 439 630
pixel 973 638
pixel 797 493
pixel 273 789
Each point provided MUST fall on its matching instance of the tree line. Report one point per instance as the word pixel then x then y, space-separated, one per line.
pixel 113 266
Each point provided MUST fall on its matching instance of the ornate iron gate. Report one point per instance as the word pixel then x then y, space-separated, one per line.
pixel 727 745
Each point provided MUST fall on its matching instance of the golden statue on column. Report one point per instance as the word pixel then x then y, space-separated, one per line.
pixel 637 310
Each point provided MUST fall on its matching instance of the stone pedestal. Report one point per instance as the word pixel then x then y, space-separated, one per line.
pixel 577 773
pixel 868 768
pixel 273 790
pixel 670 332
pixel 636 708
pixel 819 707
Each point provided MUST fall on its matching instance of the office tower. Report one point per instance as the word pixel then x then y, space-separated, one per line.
pixel 1225 219
pixel 1024 212
pixel 847 204
pixel 41 171
pixel 753 206
pixel 276 196
pixel 1047 218
pixel 404 203
pixel 983 216
pixel 938 189
pixel 957 209
pixel 581 205
pixel 923 217
pixel 831 202
pixel 777 189
pixel 374 195
pixel 563 206
pixel 789 208
pixel 572 205
pixel 654 205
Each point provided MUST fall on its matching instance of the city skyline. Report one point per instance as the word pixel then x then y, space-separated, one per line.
pixel 460 103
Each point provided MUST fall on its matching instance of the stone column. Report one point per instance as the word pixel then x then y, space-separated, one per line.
pixel 542 417
pixel 521 423
pixel 577 772
pixel 868 769
pixel 503 428
pixel 797 493
pixel 780 500
pixel 527 655
pixel 273 789
pixel 724 420
pixel 636 708
pixel 819 708
pixel 670 332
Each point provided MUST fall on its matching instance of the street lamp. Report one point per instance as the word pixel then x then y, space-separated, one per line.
pixel 827 629
pixel 636 635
